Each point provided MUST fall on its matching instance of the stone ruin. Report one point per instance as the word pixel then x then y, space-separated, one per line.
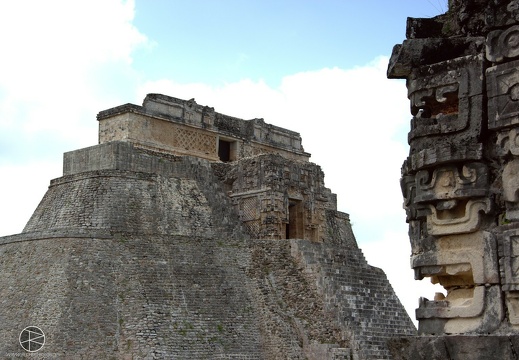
pixel 460 182
pixel 276 197
pixel 189 234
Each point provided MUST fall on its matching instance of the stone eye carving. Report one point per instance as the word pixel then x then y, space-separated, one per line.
pixel 435 103
pixel 435 110
pixel 446 102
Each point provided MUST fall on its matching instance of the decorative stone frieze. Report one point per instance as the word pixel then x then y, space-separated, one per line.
pixel 182 127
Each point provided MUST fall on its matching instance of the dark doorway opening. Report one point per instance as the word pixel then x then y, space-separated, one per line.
pixel 224 150
pixel 295 226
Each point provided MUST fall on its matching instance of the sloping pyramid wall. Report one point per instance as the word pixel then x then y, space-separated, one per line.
pixel 139 255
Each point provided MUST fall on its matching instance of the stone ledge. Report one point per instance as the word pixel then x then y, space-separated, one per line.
pixel 57 233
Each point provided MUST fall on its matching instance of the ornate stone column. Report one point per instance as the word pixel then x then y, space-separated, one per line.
pixel 461 180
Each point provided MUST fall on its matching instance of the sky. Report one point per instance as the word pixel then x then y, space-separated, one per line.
pixel 317 67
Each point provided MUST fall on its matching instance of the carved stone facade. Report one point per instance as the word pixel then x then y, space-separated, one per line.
pixel 182 127
pixel 278 197
pixel 189 234
pixel 461 179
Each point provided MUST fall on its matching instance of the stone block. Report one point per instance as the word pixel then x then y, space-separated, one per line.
pixel 416 52
pixel 444 151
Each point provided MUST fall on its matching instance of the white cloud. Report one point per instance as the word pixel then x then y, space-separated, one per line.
pixel 58 64
pixel 21 189
pixel 53 56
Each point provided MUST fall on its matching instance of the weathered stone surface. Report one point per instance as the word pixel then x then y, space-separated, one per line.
pixel 262 188
pixel 345 274
pixel 414 53
pixel 143 252
pixel 456 347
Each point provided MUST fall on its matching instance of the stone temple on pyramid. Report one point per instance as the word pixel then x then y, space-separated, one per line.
pixel 189 234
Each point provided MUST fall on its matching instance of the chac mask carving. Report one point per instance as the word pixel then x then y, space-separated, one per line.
pixel 460 182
